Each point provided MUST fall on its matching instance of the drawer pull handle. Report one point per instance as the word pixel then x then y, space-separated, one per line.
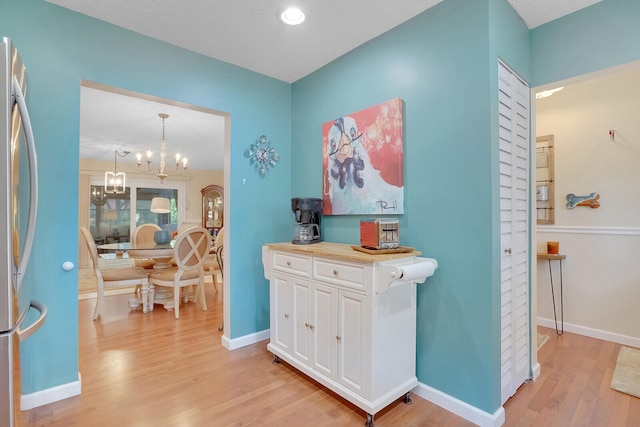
pixel 335 272
pixel 288 263
pixel 338 337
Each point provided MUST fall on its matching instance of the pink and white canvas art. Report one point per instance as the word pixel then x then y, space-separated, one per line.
pixel 363 162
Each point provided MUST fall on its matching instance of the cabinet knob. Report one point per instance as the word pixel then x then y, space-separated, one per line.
pixel 286 315
pixel 288 263
pixel 335 272
pixel 311 327
pixel 338 337
pixel 306 324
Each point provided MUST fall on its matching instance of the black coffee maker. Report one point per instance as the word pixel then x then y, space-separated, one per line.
pixel 307 212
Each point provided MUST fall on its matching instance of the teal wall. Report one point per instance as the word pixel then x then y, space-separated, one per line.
pixel 60 49
pixel 441 64
pixel 601 36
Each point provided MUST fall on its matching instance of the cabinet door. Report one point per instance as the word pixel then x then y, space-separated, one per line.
pixel 281 311
pixel 351 340
pixel 301 320
pixel 324 329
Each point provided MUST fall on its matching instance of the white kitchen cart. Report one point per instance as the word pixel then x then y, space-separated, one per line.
pixel 346 318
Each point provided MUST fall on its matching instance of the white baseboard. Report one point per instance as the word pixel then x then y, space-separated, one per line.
pixel 50 395
pixel 460 408
pixel 590 332
pixel 451 404
pixel 535 372
pixel 244 340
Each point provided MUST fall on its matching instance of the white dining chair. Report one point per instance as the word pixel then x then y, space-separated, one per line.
pixel 117 277
pixel 190 251
pixel 143 237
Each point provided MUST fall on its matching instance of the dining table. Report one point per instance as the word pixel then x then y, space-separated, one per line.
pixel 161 254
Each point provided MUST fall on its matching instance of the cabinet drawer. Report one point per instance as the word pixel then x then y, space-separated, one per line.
pixel 351 275
pixel 294 264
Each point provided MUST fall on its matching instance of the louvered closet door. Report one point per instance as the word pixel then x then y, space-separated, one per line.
pixel 514 229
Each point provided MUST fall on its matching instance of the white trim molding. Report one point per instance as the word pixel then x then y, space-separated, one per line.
pixel 612 231
pixel 593 333
pixel 244 340
pixel 460 408
pixel 50 395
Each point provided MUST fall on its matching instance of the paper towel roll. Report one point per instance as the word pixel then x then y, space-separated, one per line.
pixel 417 272
pixel 390 275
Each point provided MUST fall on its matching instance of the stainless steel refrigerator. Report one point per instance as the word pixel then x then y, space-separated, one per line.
pixel 18 207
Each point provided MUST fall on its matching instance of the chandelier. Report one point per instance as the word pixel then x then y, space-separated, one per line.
pixel 161 170
pixel 98 196
pixel 114 182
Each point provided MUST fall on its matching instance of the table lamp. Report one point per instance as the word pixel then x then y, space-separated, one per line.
pixel 161 205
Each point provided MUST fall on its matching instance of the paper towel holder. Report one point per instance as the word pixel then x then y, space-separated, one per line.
pixel 391 275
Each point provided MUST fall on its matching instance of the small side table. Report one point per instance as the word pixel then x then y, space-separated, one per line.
pixel 559 258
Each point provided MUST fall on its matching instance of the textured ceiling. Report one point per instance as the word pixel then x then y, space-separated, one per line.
pixel 538 12
pixel 249 34
pixel 113 119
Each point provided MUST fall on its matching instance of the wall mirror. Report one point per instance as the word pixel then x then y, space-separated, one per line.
pixel 213 207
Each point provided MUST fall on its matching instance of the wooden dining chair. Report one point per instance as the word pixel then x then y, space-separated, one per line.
pixel 212 265
pixel 117 277
pixel 142 237
pixel 189 253
pixel 220 259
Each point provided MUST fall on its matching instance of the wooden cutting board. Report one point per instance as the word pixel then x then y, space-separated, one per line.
pixel 398 250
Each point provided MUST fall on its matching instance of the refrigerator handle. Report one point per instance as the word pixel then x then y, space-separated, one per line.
pixel 25 333
pixel 33 177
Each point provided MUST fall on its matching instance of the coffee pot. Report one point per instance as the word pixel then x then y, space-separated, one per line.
pixel 307 213
pixel 305 233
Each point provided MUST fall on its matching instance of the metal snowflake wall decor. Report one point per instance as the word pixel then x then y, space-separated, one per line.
pixel 262 156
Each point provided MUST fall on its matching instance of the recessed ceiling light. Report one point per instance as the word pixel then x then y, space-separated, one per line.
pixel 292 16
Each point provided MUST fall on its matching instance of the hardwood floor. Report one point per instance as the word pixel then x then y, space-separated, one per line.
pixel 573 388
pixel 153 370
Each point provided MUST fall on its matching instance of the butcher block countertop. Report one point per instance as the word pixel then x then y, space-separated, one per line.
pixel 338 251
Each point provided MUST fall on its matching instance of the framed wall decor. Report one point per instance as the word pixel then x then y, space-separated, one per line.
pixel 363 162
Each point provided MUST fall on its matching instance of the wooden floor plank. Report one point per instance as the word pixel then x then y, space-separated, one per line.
pixel 573 388
pixel 150 369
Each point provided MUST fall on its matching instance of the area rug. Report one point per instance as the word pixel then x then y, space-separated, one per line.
pixel 626 377
pixel 542 338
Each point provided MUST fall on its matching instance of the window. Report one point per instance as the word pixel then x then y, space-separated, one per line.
pixel 113 217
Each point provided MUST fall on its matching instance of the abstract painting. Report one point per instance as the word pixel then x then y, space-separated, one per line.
pixel 363 162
